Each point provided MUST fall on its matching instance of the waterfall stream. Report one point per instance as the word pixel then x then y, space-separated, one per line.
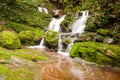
pixel 54 25
pixel 77 27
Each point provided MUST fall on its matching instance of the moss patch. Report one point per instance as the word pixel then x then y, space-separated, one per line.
pixel 103 54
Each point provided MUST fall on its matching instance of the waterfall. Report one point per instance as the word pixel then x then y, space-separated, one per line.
pixel 77 27
pixel 42 43
pixel 42 9
pixel 60 46
pixel 54 25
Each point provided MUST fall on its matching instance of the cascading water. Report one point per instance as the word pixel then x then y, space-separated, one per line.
pixel 54 25
pixel 77 27
pixel 42 43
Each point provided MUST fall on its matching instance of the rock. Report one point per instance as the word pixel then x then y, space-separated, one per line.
pixel 83 37
pixel 108 40
pixel 117 38
pixel 9 39
pixel 103 31
pixel 26 36
pixel 99 38
pixel 51 40
pixel 16 61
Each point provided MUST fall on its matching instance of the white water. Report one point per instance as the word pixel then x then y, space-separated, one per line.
pixel 55 23
pixel 77 27
pixel 42 9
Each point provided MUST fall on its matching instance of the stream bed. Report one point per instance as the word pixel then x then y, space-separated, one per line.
pixel 65 68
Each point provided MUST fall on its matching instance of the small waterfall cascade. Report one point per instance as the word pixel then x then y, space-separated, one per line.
pixel 42 43
pixel 79 25
pixel 60 46
pixel 54 25
pixel 77 28
pixel 70 45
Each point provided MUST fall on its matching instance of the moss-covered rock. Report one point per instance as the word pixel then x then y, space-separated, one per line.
pixel 51 40
pixel 103 31
pixel 10 40
pixel 102 54
pixel 31 37
pixel 26 36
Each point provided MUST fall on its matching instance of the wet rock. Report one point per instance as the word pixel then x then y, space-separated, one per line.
pixel 17 61
pixel 108 40
pixel 9 39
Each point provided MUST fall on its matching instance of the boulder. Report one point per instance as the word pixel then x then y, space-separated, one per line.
pixel 26 36
pixel 51 40
pixel 9 39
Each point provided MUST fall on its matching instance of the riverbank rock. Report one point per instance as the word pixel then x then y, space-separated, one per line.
pixel 10 40
pixel 99 53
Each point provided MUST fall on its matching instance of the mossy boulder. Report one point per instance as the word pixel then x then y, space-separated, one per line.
pixel 9 39
pixel 26 36
pixel 99 53
pixel 51 40
pixel 31 37
pixel 65 42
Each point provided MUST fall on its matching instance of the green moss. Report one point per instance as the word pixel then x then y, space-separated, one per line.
pixel 27 54
pixel 103 31
pixel 51 40
pixel 103 60
pixel 103 54
pixel 26 36
pixel 9 40
pixel 18 73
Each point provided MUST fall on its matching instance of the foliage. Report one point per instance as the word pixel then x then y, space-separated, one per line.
pixel 24 14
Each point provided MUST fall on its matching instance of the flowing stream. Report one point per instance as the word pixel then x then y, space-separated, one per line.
pixel 65 68
pixel 77 28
